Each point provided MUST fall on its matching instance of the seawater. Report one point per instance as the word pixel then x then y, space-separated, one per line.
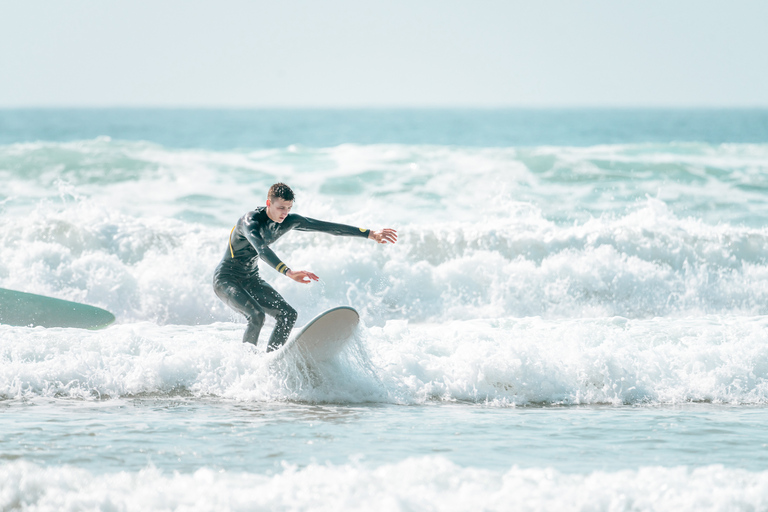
pixel 575 316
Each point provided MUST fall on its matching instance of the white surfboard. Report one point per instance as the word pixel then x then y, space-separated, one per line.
pixel 323 337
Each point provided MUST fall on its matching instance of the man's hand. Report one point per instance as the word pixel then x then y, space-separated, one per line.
pixel 383 236
pixel 302 276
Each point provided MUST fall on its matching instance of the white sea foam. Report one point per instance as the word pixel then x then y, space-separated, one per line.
pixel 498 362
pixel 583 361
pixel 429 483
pixel 643 264
pixel 139 359
pixel 515 248
pixel 140 269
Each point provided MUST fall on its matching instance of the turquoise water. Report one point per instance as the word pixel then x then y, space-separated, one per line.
pixel 574 317
pixel 259 129
pixel 122 435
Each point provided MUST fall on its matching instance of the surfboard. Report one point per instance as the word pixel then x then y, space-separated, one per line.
pixel 323 337
pixel 30 310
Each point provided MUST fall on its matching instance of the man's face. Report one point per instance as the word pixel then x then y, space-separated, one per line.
pixel 278 209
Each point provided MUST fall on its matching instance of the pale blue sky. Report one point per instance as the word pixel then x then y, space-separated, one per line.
pixel 345 53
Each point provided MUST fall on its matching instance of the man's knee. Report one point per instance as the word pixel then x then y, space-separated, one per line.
pixel 256 318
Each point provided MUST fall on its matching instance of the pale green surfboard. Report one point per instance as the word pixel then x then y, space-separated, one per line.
pixel 28 309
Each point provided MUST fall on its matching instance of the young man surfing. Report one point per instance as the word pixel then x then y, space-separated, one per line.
pixel 236 280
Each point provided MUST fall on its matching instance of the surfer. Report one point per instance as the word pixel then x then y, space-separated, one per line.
pixel 236 280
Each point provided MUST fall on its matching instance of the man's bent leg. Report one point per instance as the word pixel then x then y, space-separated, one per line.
pixel 234 295
pixel 274 305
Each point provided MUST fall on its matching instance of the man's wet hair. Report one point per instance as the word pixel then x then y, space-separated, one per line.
pixel 280 191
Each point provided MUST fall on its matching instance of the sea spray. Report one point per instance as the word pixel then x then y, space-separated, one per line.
pixel 350 376
pixel 498 362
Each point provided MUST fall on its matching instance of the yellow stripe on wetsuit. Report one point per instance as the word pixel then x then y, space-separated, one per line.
pixel 282 268
pixel 231 251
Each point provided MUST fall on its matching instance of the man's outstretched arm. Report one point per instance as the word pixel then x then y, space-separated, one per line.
pixel 332 228
pixel 307 224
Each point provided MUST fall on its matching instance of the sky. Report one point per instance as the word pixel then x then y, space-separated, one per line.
pixel 396 53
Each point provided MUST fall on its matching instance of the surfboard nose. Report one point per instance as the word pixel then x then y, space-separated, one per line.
pixel 325 335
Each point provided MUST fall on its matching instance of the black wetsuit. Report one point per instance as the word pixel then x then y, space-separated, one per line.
pixel 237 282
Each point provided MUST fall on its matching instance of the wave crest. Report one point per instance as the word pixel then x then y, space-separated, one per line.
pixel 428 483
pixel 498 362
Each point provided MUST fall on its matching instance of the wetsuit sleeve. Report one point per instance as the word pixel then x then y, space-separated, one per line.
pixel 307 224
pixel 265 253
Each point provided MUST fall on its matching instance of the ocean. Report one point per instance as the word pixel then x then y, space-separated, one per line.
pixel 574 317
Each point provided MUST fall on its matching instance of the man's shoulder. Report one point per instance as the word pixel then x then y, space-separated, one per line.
pixel 255 214
pixel 253 218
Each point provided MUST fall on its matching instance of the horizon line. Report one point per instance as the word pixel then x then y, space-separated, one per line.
pixel 383 107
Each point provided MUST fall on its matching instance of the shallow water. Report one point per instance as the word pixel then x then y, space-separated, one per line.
pixel 185 434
